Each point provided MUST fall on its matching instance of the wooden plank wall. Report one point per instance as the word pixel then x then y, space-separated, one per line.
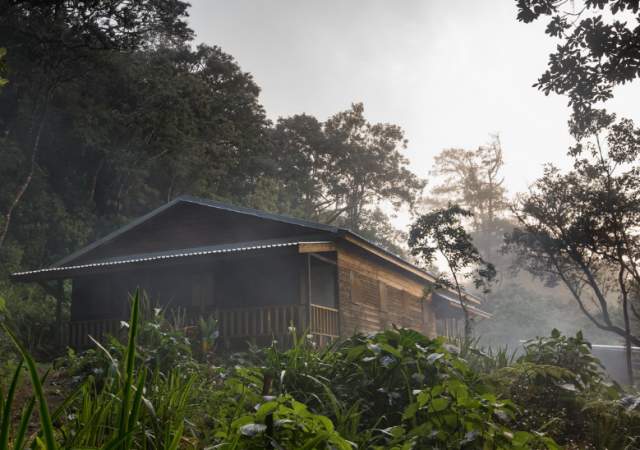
pixel 373 297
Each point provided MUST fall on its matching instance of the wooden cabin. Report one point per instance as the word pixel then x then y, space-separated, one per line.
pixel 258 273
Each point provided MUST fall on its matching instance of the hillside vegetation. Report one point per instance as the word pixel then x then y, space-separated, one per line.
pixel 394 389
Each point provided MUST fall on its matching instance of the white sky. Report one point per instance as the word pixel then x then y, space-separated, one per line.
pixel 449 72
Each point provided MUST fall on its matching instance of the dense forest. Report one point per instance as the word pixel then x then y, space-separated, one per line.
pixel 102 124
pixel 110 108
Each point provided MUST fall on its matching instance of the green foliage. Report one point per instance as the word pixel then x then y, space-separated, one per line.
pixel 555 381
pixel 282 423
pixel 208 333
pixel 43 408
pixel 483 360
pixel 596 51
pixel 395 389
pixel 119 414
pixel 571 353
pixel 440 232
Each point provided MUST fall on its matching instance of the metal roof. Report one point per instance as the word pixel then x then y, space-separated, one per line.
pixel 174 254
pixel 203 202
pixel 453 300
pixel 336 231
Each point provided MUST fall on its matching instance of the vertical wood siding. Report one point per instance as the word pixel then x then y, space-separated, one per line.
pixel 372 297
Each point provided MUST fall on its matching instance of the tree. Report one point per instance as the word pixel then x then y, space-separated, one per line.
pixel 580 227
pixel 596 52
pixel 303 157
pixel 441 232
pixel 366 165
pixel 53 43
pixel 472 179
pixel 340 171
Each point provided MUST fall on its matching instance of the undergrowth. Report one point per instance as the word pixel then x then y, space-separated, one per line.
pixel 165 388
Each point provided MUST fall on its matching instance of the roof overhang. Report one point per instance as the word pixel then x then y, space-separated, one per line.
pixel 359 241
pixel 112 264
pixel 451 300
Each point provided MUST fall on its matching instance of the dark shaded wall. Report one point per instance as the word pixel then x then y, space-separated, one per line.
pixel 269 279
pixel 187 225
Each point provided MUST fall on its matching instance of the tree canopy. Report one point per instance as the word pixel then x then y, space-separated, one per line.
pixel 599 49
pixel 580 227
pixel 112 110
pixel 441 232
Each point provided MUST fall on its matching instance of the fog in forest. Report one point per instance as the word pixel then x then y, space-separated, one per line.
pixel 457 77
pixel 324 224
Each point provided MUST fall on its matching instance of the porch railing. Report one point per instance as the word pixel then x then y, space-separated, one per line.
pixel 263 321
pixel 79 331
pixel 234 324
pixel 324 321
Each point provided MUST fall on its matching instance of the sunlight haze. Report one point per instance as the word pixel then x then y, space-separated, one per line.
pixel 450 73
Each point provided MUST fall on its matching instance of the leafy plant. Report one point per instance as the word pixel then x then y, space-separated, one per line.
pixel 283 423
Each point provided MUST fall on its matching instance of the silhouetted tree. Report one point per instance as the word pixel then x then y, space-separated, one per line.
pixel 472 179
pixel 597 50
pixel 441 232
pixel 580 227
pixel 367 165
pixel 340 170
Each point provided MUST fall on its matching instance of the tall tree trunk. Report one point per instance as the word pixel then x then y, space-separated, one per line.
pixel 627 326
pixel 27 181
pixel 463 305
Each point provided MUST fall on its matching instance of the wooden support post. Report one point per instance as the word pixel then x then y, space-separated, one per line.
pixel 303 309
pixel 59 300
pixel 308 275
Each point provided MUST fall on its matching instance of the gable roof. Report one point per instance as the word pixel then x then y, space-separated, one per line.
pixel 197 201
pixel 319 227
pixel 327 230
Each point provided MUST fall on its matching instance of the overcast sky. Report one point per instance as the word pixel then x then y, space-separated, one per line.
pixel 449 72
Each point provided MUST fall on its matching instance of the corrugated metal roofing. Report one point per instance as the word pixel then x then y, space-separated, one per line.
pixel 336 231
pixel 453 300
pixel 64 265
pixel 203 202
pixel 174 254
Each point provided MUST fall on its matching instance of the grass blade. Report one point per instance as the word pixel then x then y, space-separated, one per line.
pixel 129 366
pixel 6 410
pixel 43 408
pixel 135 406
pixel 21 432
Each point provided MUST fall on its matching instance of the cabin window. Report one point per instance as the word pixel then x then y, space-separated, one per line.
pixel 323 290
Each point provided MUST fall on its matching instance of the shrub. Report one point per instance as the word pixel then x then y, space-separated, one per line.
pixel 397 389
pixel 563 390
